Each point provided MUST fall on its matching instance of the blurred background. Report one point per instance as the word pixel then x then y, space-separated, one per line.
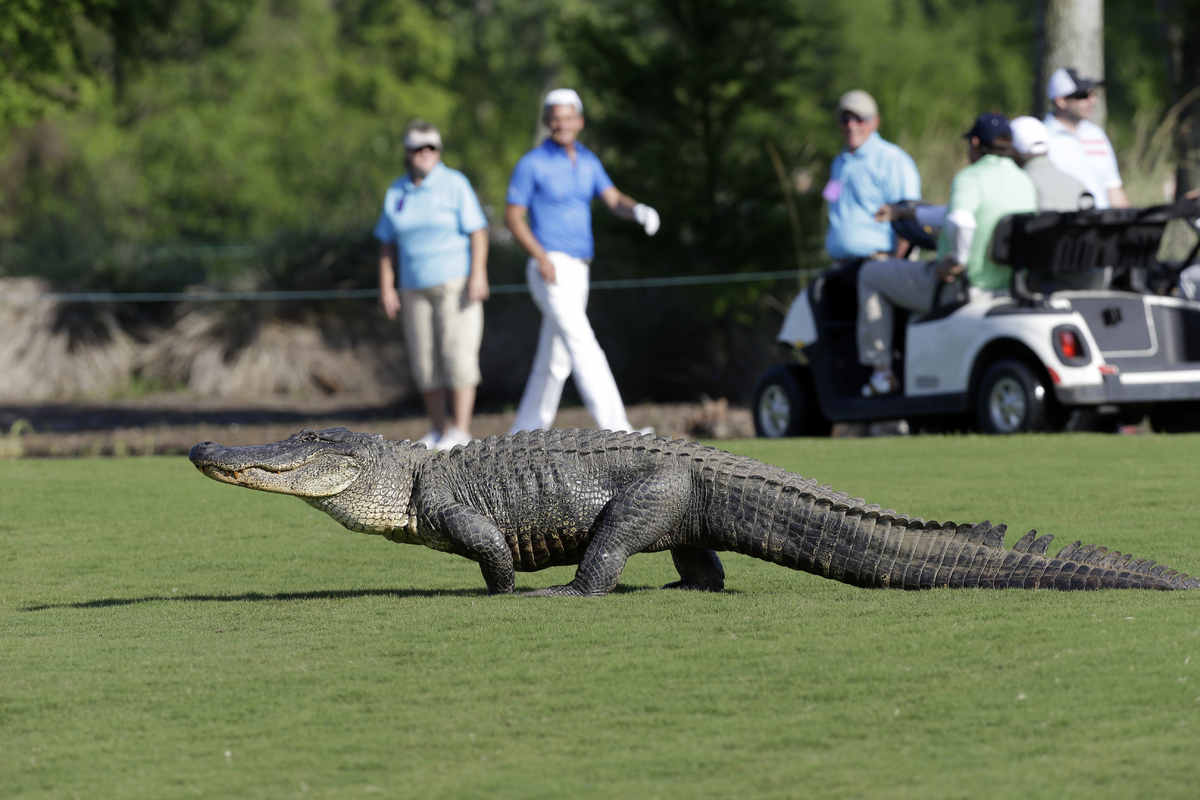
pixel 155 152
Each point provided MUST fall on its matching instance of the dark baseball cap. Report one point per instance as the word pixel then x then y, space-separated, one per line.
pixel 990 126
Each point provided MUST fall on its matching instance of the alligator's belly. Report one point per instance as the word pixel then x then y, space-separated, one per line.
pixel 551 532
pixel 532 551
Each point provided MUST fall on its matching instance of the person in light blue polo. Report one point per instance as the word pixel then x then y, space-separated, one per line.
pixel 549 213
pixel 869 174
pixel 432 228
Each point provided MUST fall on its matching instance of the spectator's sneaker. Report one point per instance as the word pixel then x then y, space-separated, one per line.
pixel 881 383
pixel 429 440
pixel 452 437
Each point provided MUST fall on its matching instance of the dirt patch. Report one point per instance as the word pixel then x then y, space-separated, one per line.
pixel 172 424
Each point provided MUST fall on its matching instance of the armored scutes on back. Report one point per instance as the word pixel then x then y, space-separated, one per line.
pixel 594 498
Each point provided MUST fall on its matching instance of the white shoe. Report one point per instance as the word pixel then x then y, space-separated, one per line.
pixel 452 437
pixel 881 383
pixel 429 440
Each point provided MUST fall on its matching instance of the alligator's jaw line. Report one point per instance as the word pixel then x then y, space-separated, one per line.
pixel 252 477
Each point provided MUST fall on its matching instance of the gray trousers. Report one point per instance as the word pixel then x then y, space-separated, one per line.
pixel 882 285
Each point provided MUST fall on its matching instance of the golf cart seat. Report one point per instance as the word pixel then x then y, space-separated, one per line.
pixel 1094 249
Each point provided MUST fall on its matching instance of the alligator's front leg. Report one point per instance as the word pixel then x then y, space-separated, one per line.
pixel 473 535
pixel 643 513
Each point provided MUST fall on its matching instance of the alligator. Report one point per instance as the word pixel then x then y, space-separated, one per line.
pixel 533 500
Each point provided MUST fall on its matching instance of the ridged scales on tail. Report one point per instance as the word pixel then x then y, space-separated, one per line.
pixel 595 498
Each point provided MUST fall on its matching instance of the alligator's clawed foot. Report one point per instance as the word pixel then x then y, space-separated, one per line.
pixel 695 587
pixel 567 590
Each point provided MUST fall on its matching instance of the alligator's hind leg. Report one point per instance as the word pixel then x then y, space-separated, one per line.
pixel 699 568
pixel 639 516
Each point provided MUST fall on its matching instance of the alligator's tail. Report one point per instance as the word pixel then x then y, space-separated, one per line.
pixel 875 548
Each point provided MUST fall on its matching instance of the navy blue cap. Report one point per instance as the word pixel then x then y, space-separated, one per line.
pixel 990 126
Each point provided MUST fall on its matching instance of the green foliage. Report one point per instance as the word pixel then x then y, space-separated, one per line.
pixel 41 57
pixel 165 636
pixel 933 65
pixel 687 102
pixel 280 125
pixel 507 54
pixel 138 126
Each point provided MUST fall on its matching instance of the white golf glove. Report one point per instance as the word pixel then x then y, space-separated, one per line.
pixel 647 217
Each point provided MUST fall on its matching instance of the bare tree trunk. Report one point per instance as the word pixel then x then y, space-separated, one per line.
pixel 1075 38
pixel 1182 29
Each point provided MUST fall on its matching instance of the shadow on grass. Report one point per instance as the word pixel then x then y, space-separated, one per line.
pixel 255 597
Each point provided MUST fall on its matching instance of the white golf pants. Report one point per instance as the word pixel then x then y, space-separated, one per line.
pixel 566 346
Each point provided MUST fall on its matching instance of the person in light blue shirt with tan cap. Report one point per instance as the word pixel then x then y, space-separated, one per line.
pixel 434 233
pixel 867 175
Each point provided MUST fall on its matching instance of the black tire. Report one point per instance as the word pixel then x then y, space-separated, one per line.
pixel 1175 417
pixel 785 404
pixel 1012 398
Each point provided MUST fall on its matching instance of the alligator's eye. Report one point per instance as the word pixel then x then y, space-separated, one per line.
pixel 338 435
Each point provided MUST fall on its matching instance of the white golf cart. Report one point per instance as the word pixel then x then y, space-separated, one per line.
pixel 1092 330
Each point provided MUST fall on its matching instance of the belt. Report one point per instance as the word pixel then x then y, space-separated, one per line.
pixel 878 255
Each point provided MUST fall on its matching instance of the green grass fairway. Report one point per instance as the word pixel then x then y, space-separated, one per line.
pixel 163 635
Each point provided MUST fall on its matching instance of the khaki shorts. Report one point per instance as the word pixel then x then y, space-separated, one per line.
pixel 443 332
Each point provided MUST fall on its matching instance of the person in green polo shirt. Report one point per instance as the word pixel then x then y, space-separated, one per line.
pixel 991 187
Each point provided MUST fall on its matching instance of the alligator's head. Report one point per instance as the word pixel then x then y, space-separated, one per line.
pixel 360 479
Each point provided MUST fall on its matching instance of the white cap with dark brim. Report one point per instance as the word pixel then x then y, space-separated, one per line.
pixel 1067 80
pixel 415 139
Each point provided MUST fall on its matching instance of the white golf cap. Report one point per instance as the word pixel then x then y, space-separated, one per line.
pixel 1067 80
pixel 563 97
pixel 1030 136
pixel 417 138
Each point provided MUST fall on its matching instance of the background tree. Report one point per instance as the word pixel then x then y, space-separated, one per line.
pixel 507 55
pixel 135 131
pixel 686 101
pixel 1182 24
pixel 42 58
pixel 1075 38
pixel 156 144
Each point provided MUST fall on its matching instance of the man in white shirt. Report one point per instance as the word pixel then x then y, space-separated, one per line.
pixel 1078 146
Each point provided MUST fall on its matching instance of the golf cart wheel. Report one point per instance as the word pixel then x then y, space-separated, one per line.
pixel 786 405
pixel 1012 398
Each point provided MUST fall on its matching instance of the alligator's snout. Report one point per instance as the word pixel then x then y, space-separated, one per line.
pixel 201 452
pixel 303 468
pixel 213 459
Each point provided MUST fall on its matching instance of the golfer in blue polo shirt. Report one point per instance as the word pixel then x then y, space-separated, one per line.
pixel 549 212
